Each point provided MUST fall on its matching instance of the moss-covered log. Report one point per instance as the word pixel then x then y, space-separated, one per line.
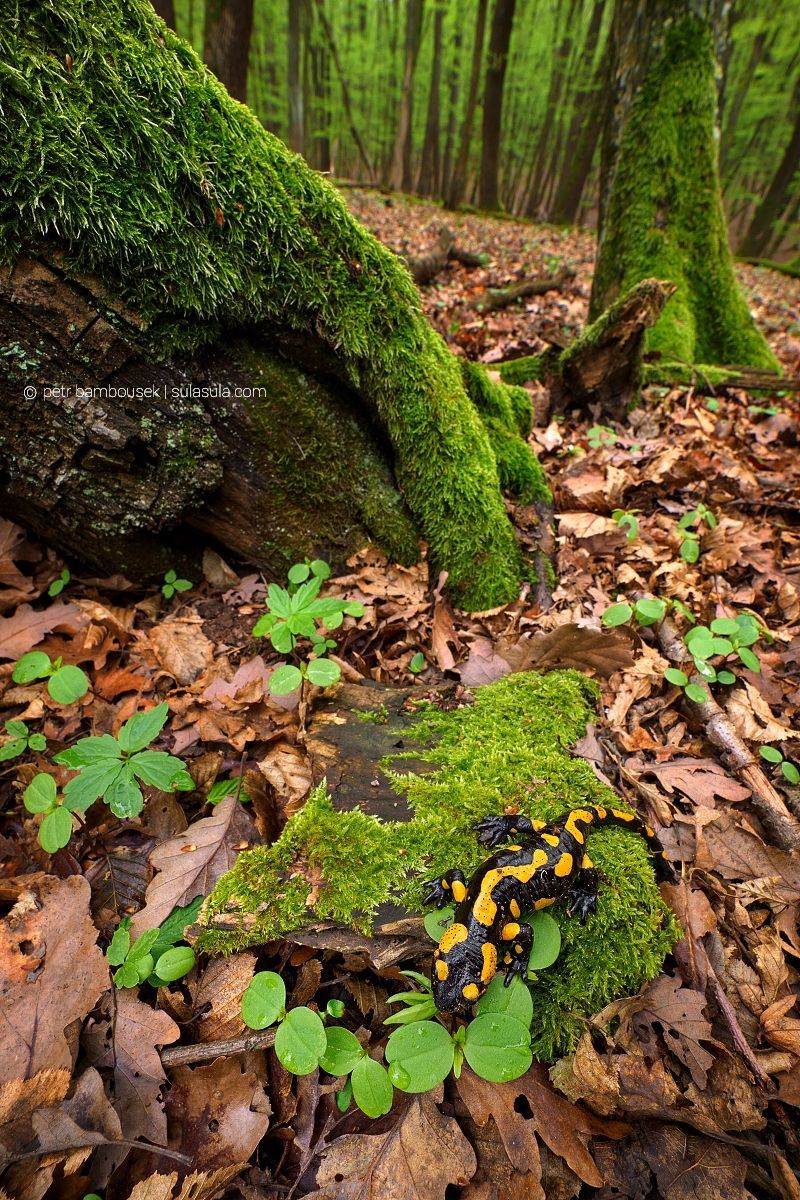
pixel 195 238
pixel 661 207
pixel 348 855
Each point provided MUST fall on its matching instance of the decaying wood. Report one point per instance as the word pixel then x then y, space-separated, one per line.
pixel 425 267
pixel 717 378
pixel 779 822
pixel 503 297
pixel 603 367
pixel 180 1056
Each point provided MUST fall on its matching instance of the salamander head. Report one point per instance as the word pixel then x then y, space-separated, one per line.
pixel 463 968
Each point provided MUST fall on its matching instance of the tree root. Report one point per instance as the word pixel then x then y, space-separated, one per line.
pixel 503 297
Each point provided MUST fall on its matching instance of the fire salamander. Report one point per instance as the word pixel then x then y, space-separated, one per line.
pixel 548 862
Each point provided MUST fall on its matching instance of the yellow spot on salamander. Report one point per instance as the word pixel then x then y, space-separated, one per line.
pixel 485 907
pixel 515 909
pixel 650 832
pixel 509 931
pixel 582 815
pixel 548 900
pixel 445 884
pixel 489 962
pixel 507 959
pixel 620 815
pixel 537 825
pixel 517 948
pixel 601 812
pixel 452 936
pixel 442 970
pixel 550 838
pixel 586 861
pixel 471 991
pixel 563 866
pixel 459 891
pixel 513 848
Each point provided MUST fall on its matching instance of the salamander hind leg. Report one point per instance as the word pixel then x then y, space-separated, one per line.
pixel 516 956
pixel 493 831
pixel 450 889
pixel 582 896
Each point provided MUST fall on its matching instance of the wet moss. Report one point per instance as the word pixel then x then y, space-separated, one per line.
pixel 127 155
pixel 529 369
pixel 664 215
pixel 510 747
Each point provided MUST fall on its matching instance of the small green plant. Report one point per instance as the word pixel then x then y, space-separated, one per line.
pixel 418 663
pixel 172 584
pixel 374 716
pixel 41 796
pixel 58 585
pixel 760 410
pixel 690 537
pixel 224 788
pixel 66 684
pixel 299 612
pixel 114 767
pixel 724 637
pixel 21 739
pixel 154 957
pixel 771 754
pixel 627 521
pixel 601 435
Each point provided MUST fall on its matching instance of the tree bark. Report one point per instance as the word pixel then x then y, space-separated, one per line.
pixel 499 39
pixel 166 10
pixel 400 170
pixel 348 109
pixel 458 181
pixel 763 233
pixel 430 168
pixel 229 24
pixel 295 76
pixel 584 131
pixel 661 205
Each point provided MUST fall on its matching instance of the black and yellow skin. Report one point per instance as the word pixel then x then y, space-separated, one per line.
pixel 544 864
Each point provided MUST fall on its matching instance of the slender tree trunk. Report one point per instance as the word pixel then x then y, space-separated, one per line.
pixel 662 213
pixel 321 109
pixel 229 24
pixel 585 128
pixel 499 40
pixel 564 43
pixel 454 91
pixel 166 10
pixel 430 169
pixel 458 181
pixel 348 108
pixel 764 230
pixel 295 77
pixel 400 169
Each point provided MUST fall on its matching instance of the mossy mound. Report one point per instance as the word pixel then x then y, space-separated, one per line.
pixel 509 747
pixel 664 216
pixel 126 159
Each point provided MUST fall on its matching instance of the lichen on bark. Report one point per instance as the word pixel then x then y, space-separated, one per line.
pixel 509 748
pixel 131 161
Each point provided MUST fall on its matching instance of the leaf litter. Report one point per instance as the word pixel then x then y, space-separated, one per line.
pixel 691 1088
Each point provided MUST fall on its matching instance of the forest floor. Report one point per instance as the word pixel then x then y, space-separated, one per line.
pixel 693 1089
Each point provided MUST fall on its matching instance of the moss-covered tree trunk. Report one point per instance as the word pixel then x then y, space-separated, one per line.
pixel 661 208
pixel 157 237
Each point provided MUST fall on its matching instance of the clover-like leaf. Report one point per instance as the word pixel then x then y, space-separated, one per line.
pixel 264 1000
pixel 142 728
pixel 300 1041
pixel 498 1047
pixel 617 614
pixel 55 830
pixel 372 1087
pixel 68 684
pixel 34 665
pixel 322 672
pixel 40 794
pixel 342 1051
pixel 424 1051
pixel 285 679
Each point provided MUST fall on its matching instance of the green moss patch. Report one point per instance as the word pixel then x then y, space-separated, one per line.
pixel 508 748
pixel 127 157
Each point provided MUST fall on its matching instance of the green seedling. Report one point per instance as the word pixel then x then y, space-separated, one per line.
pixel 58 585
pixel 690 537
pixel 114 767
pixel 153 958
pixel 41 797
pixel 626 520
pixel 418 663
pixel 772 755
pixel 601 435
pixel 299 612
pixel 172 584
pixel 20 740
pixel 65 684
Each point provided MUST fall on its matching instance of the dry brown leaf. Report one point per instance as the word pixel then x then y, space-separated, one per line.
pixel 586 1075
pixel 483 665
pixel 780 1029
pixel 727 847
pixel 190 864
pixel 51 974
pixel 602 651
pixel 701 779
pixel 217 996
pixel 181 647
pixel 126 1043
pixel 417 1159
pixel 217 572
pixel 71 1129
pixel 199 1185
pixel 217 1113
pixel 676 1012
pixel 564 1127
pixel 26 628
pixel 753 718
pixel 287 768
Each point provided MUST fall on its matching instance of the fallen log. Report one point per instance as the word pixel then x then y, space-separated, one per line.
pixel 425 267
pixel 708 379
pixel 503 297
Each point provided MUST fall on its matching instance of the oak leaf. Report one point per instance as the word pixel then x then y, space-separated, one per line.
pixel 217 1113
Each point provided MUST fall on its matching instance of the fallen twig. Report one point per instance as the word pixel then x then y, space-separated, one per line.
pixel 502 297
pixel 179 1056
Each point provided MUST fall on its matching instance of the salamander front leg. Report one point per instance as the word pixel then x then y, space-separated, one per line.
pixel 517 955
pixel 493 831
pixel 451 888
pixel 582 896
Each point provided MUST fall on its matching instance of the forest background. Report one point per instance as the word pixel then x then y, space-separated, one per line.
pixel 396 94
